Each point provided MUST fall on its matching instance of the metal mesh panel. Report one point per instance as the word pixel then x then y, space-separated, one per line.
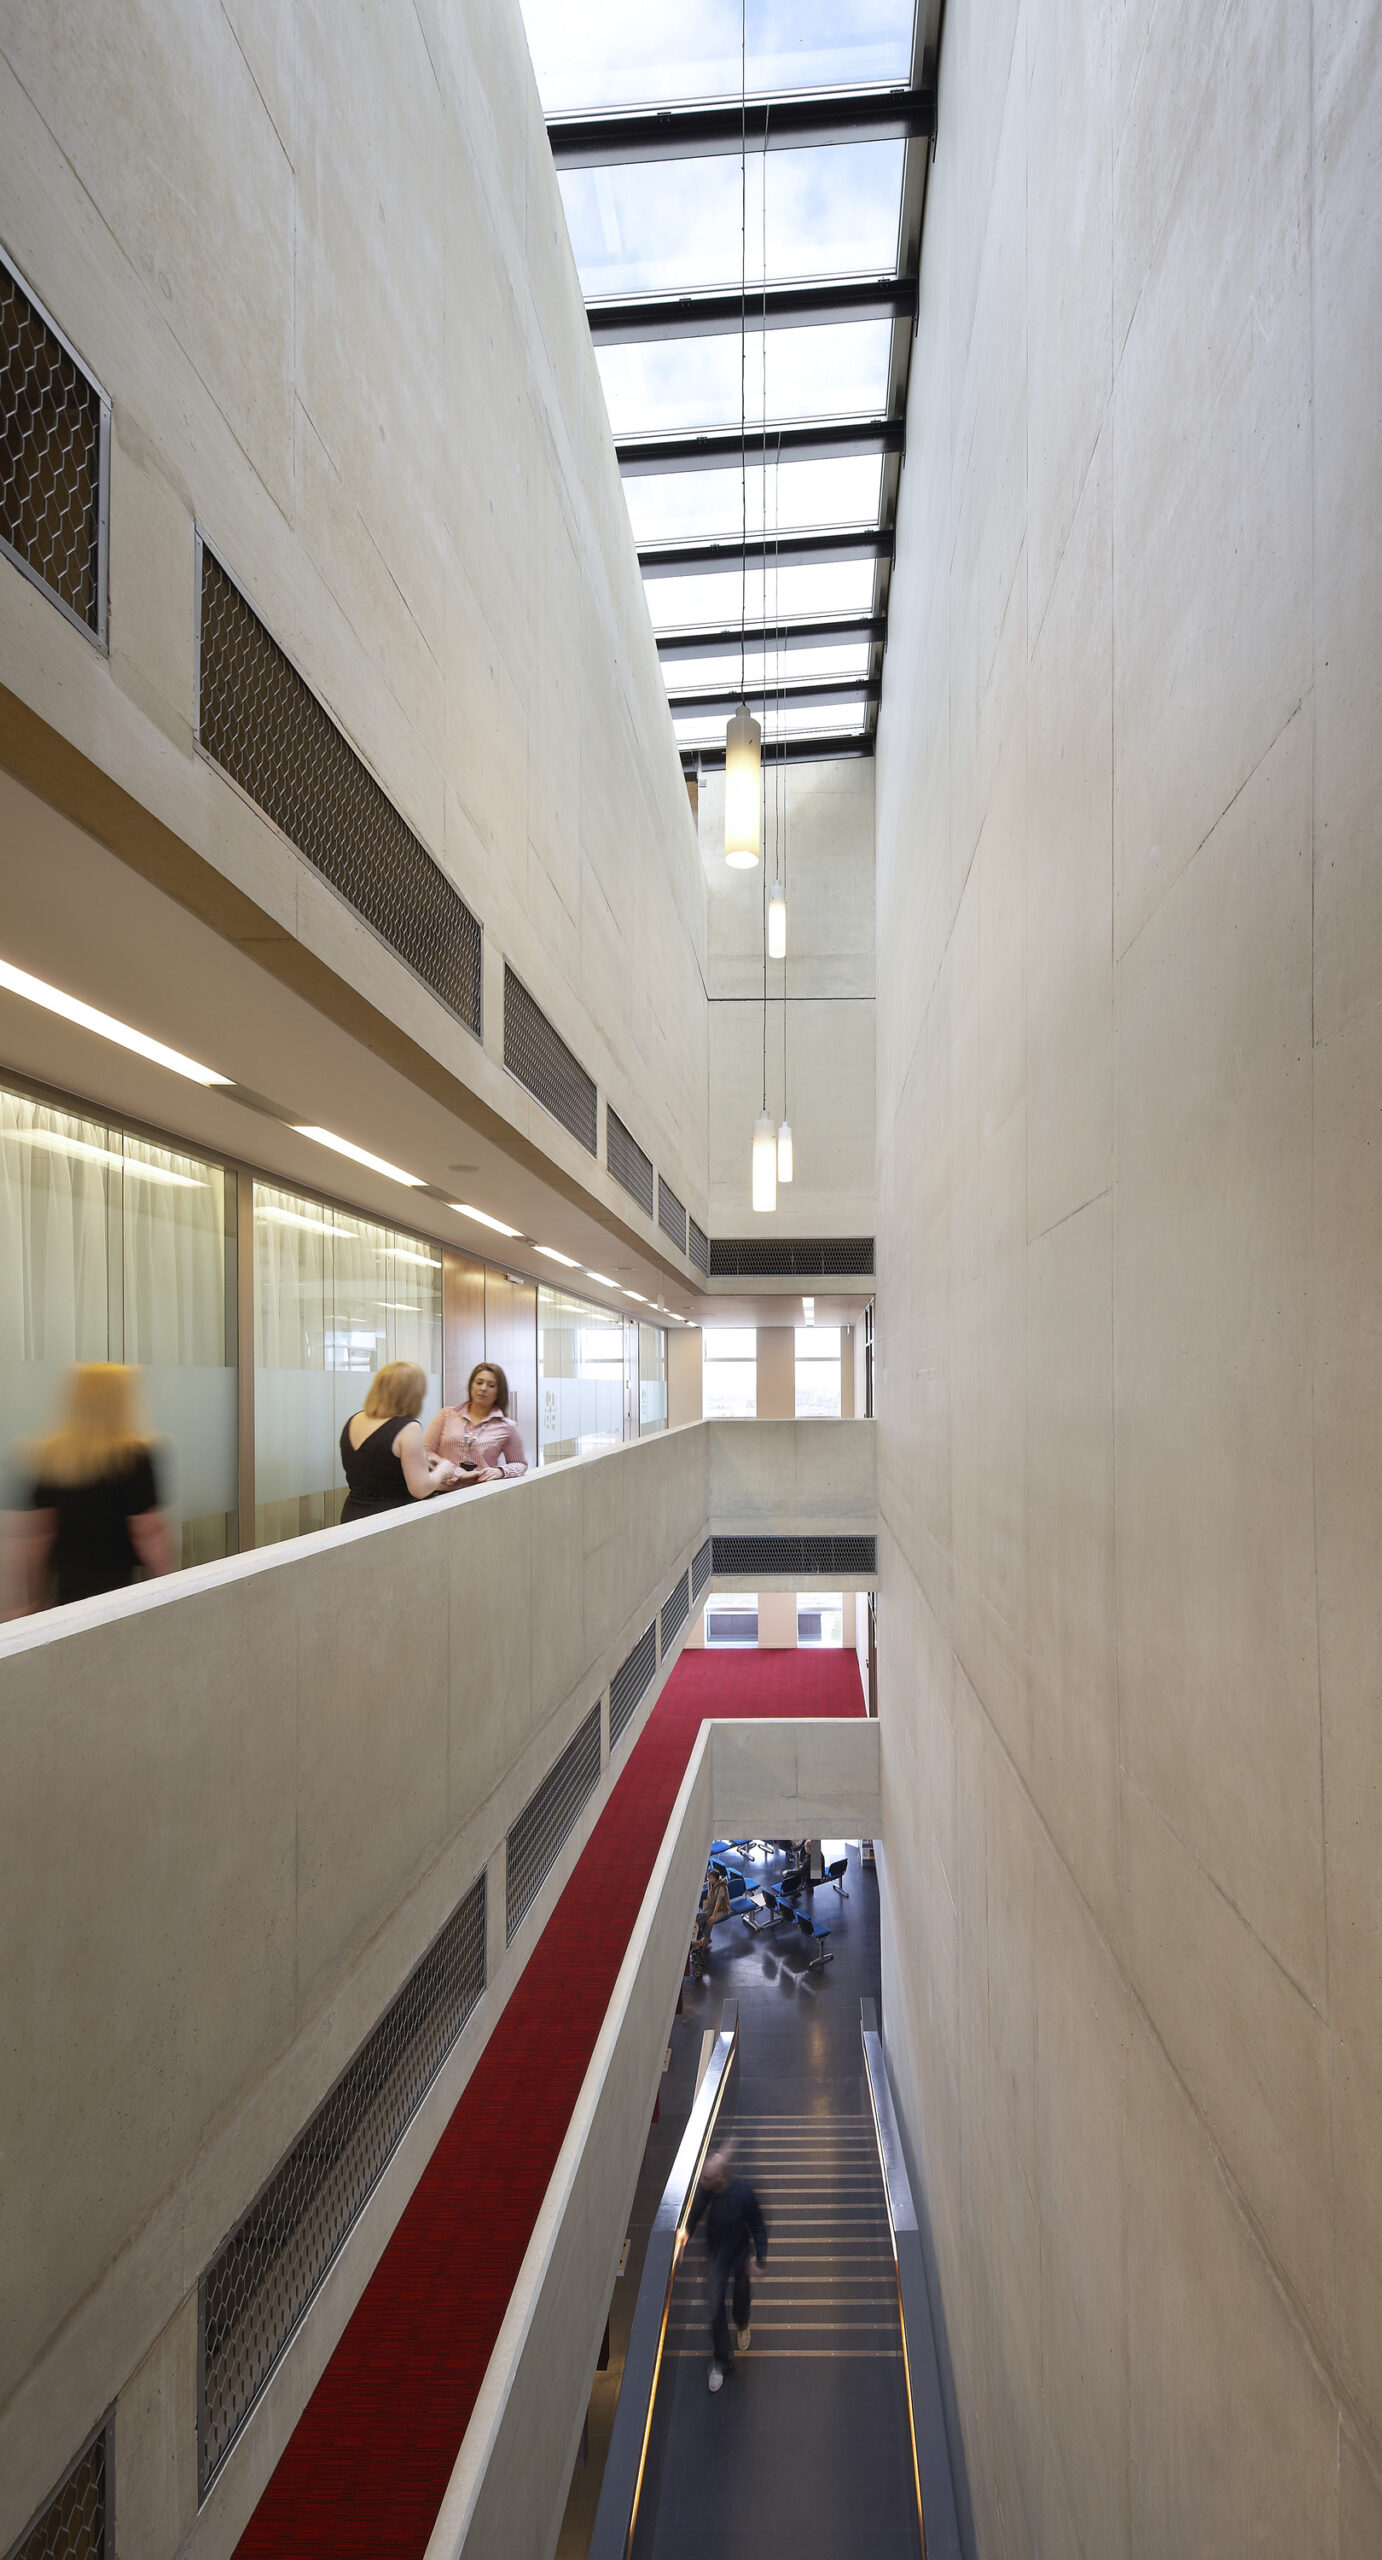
pixel 762 1554
pixel 791 1257
pixel 260 723
pixel 52 454
pixel 698 1246
pixel 674 1610
pixel 671 1216
pixel 700 1570
pixel 630 1681
pixel 263 2277
pixel 538 1056
pixel 627 1162
pixel 75 2523
pixel 536 1839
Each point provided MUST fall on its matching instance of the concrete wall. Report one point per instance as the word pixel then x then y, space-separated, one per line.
pixel 799 1475
pixel 322 269
pixel 1130 1396
pixel 828 976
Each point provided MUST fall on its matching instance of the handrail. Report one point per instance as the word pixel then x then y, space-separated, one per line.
pixel 617 2512
pixel 940 2529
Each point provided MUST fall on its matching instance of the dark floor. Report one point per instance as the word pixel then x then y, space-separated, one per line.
pixel 810 2433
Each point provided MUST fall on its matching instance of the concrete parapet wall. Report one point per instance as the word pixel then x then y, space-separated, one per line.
pixel 791 1475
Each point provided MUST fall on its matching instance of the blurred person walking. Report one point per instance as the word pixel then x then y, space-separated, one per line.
pixel 94 1520
pixel 734 2229
pixel 478 1436
pixel 385 1458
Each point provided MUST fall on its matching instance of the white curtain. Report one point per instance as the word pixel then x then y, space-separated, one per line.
pixel 580 1377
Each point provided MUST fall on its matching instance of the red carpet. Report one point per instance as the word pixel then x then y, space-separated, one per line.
pixel 369 2460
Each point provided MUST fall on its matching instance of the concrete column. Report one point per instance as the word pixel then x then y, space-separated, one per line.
pixel 846 1372
pixel 695 1633
pixel 777 1617
pixel 777 1373
pixel 684 1356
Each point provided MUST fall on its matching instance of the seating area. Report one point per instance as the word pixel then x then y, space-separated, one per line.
pixel 766 1900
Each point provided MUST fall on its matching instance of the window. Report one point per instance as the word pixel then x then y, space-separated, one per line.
pixel 652 1378
pixel 730 1376
pixel 580 1377
pixel 731 1618
pixel 820 1618
pixel 115 1249
pixel 335 1296
pixel 818 1369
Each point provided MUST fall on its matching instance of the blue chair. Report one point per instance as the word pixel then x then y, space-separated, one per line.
pixel 819 1933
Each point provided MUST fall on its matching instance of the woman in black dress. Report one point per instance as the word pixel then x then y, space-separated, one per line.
pixel 382 1449
pixel 94 1521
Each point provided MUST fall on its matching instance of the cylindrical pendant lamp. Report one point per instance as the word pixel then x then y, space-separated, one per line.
pixel 743 790
pixel 777 922
pixel 784 1151
pixel 764 1163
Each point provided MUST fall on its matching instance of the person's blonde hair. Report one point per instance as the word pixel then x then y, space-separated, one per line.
pixel 398 1387
pixel 101 1433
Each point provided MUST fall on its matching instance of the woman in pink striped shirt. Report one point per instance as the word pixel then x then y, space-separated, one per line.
pixel 477 1436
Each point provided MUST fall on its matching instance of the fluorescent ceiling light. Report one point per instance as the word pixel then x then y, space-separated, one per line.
pixel 19 983
pixel 53 1143
pixel 602 1277
pixel 638 1294
pixel 565 1259
pixel 358 1155
pixel 482 1218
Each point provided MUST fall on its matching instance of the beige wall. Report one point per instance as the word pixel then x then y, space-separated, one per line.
pixel 322 269
pixel 1130 1399
pixel 776 1369
pixel 685 1374
pixel 828 976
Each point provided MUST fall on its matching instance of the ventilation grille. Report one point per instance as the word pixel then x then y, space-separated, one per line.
pixel 627 1162
pixel 261 2281
pixel 538 1056
pixel 544 1826
pixel 845 1555
pixel 700 1570
pixel 791 1257
pixel 674 1612
pixel 75 2523
pixel 54 442
pixel 698 1246
pixel 671 1216
pixel 258 721
pixel 629 1683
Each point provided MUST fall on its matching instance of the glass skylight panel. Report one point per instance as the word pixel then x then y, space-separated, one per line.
pixel 621 53
pixel 791 497
pixel 711 598
pixel 830 664
pixel 674 226
pixel 827 719
pixel 674 385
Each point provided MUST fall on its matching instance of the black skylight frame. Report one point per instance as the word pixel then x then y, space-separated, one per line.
pixel 778 121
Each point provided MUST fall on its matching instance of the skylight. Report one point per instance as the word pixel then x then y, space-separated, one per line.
pixel 771 570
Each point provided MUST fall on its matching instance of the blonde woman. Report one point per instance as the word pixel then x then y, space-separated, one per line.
pixel 94 1521
pixel 382 1450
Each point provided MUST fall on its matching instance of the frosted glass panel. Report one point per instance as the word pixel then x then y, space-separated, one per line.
pixel 580 1377
pixel 652 1378
pixel 335 1296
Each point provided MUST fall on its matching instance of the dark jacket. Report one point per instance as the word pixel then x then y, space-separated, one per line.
pixel 733 2222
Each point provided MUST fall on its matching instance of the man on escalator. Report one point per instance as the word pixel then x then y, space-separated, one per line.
pixel 734 2228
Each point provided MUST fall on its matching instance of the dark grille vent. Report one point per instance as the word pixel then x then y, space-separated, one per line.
pixel 630 1682
pixel 675 1609
pixel 700 1570
pixel 544 1826
pixel 627 1162
pixel 791 1257
pixel 671 1216
pixel 698 1246
pixel 75 2523
pixel 844 1555
pixel 538 1056
pixel 54 461
pixel 263 2277
pixel 259 722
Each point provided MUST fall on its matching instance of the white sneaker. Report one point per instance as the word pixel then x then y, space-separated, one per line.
pixel 743 2339
pixel 717 2379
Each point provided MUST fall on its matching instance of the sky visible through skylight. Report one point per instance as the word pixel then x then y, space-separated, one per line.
pixel 672 227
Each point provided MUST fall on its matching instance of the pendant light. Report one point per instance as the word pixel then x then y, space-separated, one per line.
pixel 743 790
pixel 777 922
pixel 784 1151
pixel 764 1163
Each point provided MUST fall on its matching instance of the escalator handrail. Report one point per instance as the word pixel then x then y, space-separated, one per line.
pixel 940 2529
pixel 617 2512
